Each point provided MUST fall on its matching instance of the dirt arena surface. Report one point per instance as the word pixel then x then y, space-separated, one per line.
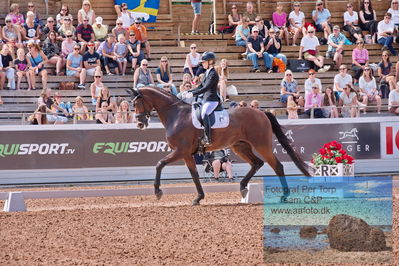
pixel 143 231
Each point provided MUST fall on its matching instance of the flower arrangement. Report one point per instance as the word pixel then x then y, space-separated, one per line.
pixel 331 154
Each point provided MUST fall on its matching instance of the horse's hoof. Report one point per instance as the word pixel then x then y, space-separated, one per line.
pixel 159 194
pixel 244 192
pixel 195 202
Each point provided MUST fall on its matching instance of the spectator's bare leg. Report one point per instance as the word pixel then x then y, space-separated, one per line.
pixel 296 35
pixel 33 78
pixel 2 80
pixel 44 78
pixel 365 102
pixel 196 21
pixel 378 99
pixel 287 36
pixel 124 64
pixel 134 64
pixel 223 89
pixel 148 49
pixel 338 58
pixel 301 101
pixel 19 79
pixel 216 168
pixel 82 76
pixel 391 81
pixel 29 79
pixel 315 61
pixel 229 170
pixel 58 65
pixel 116 71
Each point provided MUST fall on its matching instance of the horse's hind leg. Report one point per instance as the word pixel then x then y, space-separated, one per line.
pixel 244 150
pixel 171 157
pixel 190 162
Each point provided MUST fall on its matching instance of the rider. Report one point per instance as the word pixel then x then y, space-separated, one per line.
pixel 208 90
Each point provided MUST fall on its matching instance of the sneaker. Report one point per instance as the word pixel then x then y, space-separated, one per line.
pixel 82 86
pixel 321 70
pixel 257 71
pixel 252 70
pixel 327 67
pixel 193 33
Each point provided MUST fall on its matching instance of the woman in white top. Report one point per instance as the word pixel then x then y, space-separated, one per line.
pixel 86 11
pixel 393 101
pixel 192 61
pixel 394 10
pixel 311 81
pixel 368 89
pixel 96 87
pixel 348 102
pixel 351 20
pixel 123 15
pixel 297 22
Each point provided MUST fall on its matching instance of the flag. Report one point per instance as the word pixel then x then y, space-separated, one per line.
pixel 149 7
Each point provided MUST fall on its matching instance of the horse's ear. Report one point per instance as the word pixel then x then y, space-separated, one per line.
pixel 133 93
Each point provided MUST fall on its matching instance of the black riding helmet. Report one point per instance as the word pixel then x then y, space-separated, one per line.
pixel 207 56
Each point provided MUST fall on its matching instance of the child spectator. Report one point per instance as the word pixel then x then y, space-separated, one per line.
pixel 164 76
pixel 254 104
pixel 351 20
pixel 297 22
pixel 123 15
pixel 135 54
pixel 91 60
pixel 85 34
pixel 67 106
pixel 36 61
pixel 322 18
pixel 280 23
pixel 68 44
pixel 192 61
pixel 120 51
pixel 96 86
pixel 124 115
pixel 52 108
pixel 86 12
pixel 106 51
pixel 6 68
pixel 329 104
pixel 64 12
pixel 31 30
pixel 52 50
pixel 75 66
pixel 292 108
pixel 368 19
pixel 141 35
pixel 80 110
pixel 21 67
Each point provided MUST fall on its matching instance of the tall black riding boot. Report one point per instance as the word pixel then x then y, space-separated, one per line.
pixel 207 130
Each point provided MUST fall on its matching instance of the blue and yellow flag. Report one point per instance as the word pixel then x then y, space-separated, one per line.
pixel 149 7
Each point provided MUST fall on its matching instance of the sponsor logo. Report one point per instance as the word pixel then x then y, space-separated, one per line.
pixel 114 148
pixel 390 140
pixel 290 136
pixel 34 148
pixel 350 141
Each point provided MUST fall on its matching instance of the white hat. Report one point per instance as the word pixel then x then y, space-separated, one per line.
pixel 99 20
pixel 255 28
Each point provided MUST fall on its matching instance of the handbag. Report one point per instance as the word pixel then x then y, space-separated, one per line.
pixel 67 85
pixel 299 65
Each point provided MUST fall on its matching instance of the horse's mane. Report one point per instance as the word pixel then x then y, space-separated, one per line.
pixel 167 94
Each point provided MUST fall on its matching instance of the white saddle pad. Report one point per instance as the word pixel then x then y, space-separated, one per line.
pixel 222 119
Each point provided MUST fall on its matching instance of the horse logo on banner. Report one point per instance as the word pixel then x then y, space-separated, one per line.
pixel 145 9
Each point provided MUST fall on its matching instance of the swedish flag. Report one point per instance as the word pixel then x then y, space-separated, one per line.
pixel 144 6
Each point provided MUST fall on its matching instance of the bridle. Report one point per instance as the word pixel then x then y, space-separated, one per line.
pixel 145 114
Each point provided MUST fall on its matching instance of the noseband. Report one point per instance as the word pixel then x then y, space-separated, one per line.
pixel 144 114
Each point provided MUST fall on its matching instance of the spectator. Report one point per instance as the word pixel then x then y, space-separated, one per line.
pixel 39 117
pixel 254 104
pixel 311 81
pixel 120 51
pixel 105 97
pixel 52 50
pixel 313 102
pixel 21 67
pixel 329 104
pixel 360 58
pixel 192 61
pixel 263 30
pixel 16 17
pixel 394 10
pixel 280 23
pixel 11 35
pixel 67 106
pixel 124 115
pixel 142 76
pixel 310 49
pixel 164 76
pixel 91 60
pixel 141 35
pixel 297 22
pixel 50 26
pixel 368 89
pixel 75 68
pixel 223 70
pixel 196 4
pixel 36 61
pixel 86 12
pixel 242 104
pixel 186 79
pixel 119 29
pixel 64 12
pixel 393 101
pixel 351 20
pixel 6 68
pixel 336 46
pixel 31 30
pixel 85 34
pixel 256 50
pixel 322 18
pixel 386 28
pixel 292 108
pixel 220 161
pixel 100 31
pixel 96 86
pixel 80 110
pixel 103 116
pixel 273 48
pixel 67 45
pixel 289 87
pixel 38 19
pixel 242 33
pixel 135 54
pixel 52 108
pixel 234 19
pixel 340 81
pixel 368 19
pixel 123 15
pixel 348 102
pixel 384 72
pixel 67 27
pixel 106 51
pixel 250 13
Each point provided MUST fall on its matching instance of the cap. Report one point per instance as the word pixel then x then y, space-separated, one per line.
pixel 336 27
pixel 137 20
pixel 255 28
pixel 319 2
pixel 99 20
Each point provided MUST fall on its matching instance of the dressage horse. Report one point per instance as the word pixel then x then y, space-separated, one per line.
pixel 249 130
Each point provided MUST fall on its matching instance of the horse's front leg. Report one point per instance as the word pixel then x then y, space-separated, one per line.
pixel 171 157
pixel 190 162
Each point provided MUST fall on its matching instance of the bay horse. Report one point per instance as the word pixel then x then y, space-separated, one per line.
pixel 249 129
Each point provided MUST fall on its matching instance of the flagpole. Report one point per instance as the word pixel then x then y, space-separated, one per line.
pixel 214 17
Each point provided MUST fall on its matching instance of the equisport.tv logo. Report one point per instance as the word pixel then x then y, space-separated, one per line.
pixel 35 148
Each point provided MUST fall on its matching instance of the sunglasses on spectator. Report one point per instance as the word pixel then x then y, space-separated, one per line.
pixel 296 5
pixel 164 61
pixel 138 22
pixel 144 64
pixel 125 8
pixel 366 69
pixel 8 21
pixel 64 9
pixel 69 36
pixel 288 74
pixel 319 4
pixel 384 55
pixel 342 68
pixel 85 20
pixel 193 47
pixel 349 6
pixel 50 21
pixel 119 23
pixel 257 20
pixel 315 88
pixel 359 42
pixel 31 6
pixel 76 48
pixel 90 45
pixel 233 7
pixel 311 74
pixel 97 76
pixel 254 106
pixel 132 35
pixel 272 32
pixel 310 31
pixel 394 3
pixel 67 19
pixel 86 4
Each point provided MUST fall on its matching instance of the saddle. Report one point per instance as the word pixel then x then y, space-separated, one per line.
pixel 219 117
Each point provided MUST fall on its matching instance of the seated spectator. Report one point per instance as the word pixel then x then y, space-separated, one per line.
pixel 360 58
pixel 52 108
pixel 192 61
pixel 50 26
pixel 142 36
pixel 263 30
pixel 280 23
pixel 164 76
pixel 39 117
pixel 16 17
pixel 329 104
pixel 292 108
pixel 100 31
pixel 75 68
pixel 67 28
pixel 351 21
pixel 234 20
pixel 52 50
pixel 322 18
pixel 386 29
pixel 123 15
pixel 384 72
pixel 340 81
pixel 313 103
pixel 80 110
pixel 103 116
pixel 368 19
pixel 336 46
pixel 348 102
pixel 273 50
pixel 106 51
pixel 119 29
pixel 186 79
pixel 31 30
pixel 289 87
pixel 223 71
pixel 310 50
pixel 11 35
pixel 393 101
pixel 256 50
pixel 21 67
pixel 368 89
pixel 120 51
pixel 185 86
pixel 135 54
pixel 242 104
pixel 36 61
pixel 85 34
pixel 394 10
pixel 67 106
pixel 106 97
pixel 86 12
pixel 67 45
pixel 91 60
pixel 142 76
pixel 243 32
pixel 38 18
pixel 254 104
pixel 62 14
pixel 96 86
pixel 297 22
pixel 6 68
pixel 220 161
pixel 124 115
pixel 250 13
pixel 312 80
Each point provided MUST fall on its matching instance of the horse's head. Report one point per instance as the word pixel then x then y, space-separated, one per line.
pixel 142 108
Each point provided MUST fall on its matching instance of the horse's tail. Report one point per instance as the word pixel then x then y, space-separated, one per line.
pixel 282 138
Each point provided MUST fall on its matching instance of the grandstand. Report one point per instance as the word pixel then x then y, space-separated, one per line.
pixel 168 37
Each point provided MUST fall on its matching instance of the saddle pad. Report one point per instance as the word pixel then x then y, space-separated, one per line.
pixel 222 119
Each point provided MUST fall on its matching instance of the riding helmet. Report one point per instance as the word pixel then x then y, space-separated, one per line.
pixel 208 56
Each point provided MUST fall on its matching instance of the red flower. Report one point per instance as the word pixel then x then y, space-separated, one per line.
pixel 322 151
pixel 343 152
pixel 338 159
